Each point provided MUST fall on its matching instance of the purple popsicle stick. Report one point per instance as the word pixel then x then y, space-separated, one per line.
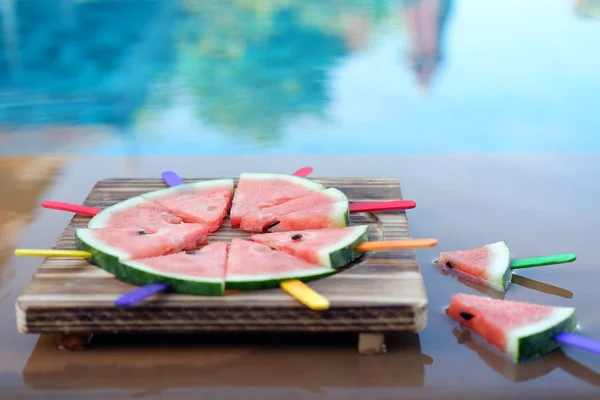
pixel 137 295
pixel 171 178
pixel 578 341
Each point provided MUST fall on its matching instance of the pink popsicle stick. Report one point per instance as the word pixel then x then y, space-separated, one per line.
pixel 74 208
pixel 382 206
pixel 304 172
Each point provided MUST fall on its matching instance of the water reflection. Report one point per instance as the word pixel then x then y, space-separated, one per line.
pixel 212 361
pixel 237 76
pixel 526 371
pixel 425 24
pixel 515 280
pixel 22 183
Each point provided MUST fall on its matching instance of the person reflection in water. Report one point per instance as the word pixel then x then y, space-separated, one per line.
pixel 424 21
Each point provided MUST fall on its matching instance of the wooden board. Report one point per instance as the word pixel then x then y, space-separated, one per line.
pixel 380 292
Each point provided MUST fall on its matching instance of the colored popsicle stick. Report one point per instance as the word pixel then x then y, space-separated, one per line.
pixel 305 294
pixel 52 253
pixel 575 340
pixel 137 295
pixel 171 178
pixel 382 206
pixel 303 172
pixel 74 208
pixel 397 244
pixel 520 263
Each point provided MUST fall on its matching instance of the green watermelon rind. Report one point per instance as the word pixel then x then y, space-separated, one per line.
pixel 115 262
pixel 535 340
pixel 341 253
pixel 341 211
pixel 100 220
pixel 307 183
pixel 499 273
pixel 272 281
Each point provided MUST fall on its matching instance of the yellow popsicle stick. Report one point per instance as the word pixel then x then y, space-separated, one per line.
pixel 53 253
pixel 305 295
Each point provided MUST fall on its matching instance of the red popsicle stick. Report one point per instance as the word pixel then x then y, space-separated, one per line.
pixel 382 206
pixel 304 172
pixel 74 208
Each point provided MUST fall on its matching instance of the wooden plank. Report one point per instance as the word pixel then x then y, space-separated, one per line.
pixel 380 292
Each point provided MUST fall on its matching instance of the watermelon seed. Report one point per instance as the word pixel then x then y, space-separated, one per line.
pixel 466 315
pixel 142 233
pixel 271 225
pixel 449 265
pixel 297 236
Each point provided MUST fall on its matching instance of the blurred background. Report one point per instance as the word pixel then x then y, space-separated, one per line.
pixel 145 77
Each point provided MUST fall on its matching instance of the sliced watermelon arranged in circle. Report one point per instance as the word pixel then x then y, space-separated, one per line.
pixel 135 212
pixel 199 273
pixel 488 265
pixel 329 247
pixel 523 331
pixel 108 245
pixel 204 202
pixel 256 191
pixel 326 209
pixel 252 265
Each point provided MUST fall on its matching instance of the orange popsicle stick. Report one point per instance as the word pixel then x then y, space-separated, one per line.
pixel 397 244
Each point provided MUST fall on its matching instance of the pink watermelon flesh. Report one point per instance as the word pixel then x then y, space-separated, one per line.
pixel 254 265
pixel 136 243
pixel 326 209
pixel 488 265
pixel 505 323
pixel 144 215
pixel 199 204
pixel 209 262
pixel 253 194
pixel 330 247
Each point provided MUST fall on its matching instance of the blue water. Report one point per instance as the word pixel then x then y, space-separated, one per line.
pixel 306 76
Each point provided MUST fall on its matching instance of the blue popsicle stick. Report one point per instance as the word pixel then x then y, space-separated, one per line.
pixel 171 178
pixel 137 295
pixel 575 340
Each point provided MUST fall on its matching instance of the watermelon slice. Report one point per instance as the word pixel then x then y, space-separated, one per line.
pixel 256 191
pixel 326 209
pixel 135 212
pixel 253 265
pixel 329 247
pixel 200 273
pixel 488 265
pixel 108 245
pixel 523 331
pixel 204 202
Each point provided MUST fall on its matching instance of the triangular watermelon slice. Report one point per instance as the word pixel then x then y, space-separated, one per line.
pixel 329 247
pixel 256 191
pixel 488 265
pixel 521 330
pixel 135 212
pixel 199 273
pixel 204 202
pixel 132 243
pixel 253 265
pixel 326 209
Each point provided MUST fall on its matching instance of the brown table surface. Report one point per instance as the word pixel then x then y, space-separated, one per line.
pixel 539 204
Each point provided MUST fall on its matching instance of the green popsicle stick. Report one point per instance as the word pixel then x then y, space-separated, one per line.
pixel 541 261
